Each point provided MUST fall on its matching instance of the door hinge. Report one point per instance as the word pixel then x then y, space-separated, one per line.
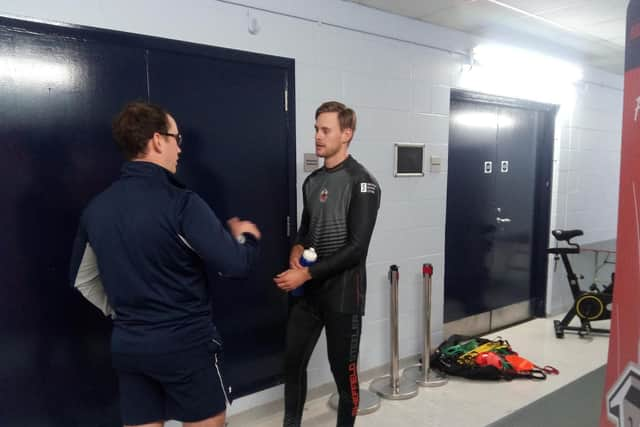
pixel 288 226
pixel 286 100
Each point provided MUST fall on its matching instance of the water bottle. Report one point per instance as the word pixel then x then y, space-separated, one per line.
pixel 308 258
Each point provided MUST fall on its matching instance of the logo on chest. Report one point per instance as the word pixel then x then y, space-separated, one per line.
pixel 324 195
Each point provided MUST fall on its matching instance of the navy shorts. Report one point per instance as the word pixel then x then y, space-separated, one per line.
pixel 185 386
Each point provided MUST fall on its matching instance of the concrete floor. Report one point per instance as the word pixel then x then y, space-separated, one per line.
pixel 464 402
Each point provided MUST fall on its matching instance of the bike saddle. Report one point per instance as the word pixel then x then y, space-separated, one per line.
pixel 563 235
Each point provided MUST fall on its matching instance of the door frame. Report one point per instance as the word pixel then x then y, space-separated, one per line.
pixel 543 187
pixel 141 41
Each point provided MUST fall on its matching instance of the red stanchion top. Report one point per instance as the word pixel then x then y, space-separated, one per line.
pixel 427 270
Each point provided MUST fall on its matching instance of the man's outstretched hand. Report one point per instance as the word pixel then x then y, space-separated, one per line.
pixel 291 279
pixel 237 227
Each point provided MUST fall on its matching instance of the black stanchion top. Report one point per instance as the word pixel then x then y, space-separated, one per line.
pixel 393 270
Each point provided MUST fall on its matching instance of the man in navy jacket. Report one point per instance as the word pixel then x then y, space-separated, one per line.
pixel 140 256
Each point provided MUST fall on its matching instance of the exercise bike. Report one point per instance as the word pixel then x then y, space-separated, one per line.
pixel 589 305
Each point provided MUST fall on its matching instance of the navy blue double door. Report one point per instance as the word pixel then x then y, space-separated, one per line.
pixel 498 197
pixel 60 89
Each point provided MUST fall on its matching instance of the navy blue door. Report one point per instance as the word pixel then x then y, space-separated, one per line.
pixel 232 115
pixel 497 208
pixel 516 147
pixel 57 98
pixel 60 87
pixel 471 223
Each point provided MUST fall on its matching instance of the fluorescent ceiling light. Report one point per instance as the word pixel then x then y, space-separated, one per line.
pixel 526 63
pixel 484 120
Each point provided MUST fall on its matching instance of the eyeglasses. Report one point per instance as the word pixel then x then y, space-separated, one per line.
pixel 177 136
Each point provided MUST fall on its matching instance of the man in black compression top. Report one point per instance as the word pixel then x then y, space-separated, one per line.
pixel 341 202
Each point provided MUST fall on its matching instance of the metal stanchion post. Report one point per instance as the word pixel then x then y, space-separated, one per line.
pixel 393 386
pixel 422 374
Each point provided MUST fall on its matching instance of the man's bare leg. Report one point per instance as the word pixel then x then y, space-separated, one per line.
pixel 155 424
pixel 215 421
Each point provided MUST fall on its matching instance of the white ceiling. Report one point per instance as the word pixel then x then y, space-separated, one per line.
pixel 589 30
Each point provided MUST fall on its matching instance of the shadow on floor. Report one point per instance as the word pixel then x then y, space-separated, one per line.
pixel 576 404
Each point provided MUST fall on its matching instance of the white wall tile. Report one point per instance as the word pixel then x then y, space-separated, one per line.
pixel 576 202
pixel 376 155
pixel 274 37
pixel 434 67
pixel 431 186
pixel 600 97
pixel 564 161
pixel 316 84
pixel 589 118
pixel 562 182
pixel 428 128
pixel 396 215
pixel 362 54
pixel 440 100
pixel 363 90
pixel 426 213
pixel 383 125
pixel 563 138
pixel 573 181
pixel 375 340
pixel 422 96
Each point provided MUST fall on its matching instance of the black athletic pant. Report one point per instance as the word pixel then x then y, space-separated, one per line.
pixel 343 342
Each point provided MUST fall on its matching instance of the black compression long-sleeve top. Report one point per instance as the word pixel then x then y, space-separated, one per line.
pixel 340 209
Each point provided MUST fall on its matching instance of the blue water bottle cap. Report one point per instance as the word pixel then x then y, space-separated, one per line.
pixel 308 257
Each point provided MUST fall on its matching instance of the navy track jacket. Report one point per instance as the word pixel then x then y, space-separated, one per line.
pixel 141 254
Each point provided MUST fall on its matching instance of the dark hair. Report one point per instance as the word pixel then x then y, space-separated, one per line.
pixel 135 125
pixel 346 116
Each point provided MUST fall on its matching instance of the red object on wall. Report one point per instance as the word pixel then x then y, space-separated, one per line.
pixel 623 373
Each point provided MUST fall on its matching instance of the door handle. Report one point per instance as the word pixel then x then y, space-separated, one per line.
pixel 502 220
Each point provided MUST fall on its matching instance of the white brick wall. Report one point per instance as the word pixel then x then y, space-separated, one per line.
pixel 400 90
pixel 586 175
